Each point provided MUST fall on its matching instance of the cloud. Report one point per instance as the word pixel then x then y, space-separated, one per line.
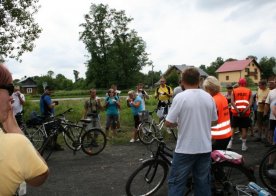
pixel 175 32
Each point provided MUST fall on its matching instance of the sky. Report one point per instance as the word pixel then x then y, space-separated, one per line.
pixel 175 31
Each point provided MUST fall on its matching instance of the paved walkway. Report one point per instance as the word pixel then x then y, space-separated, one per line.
pixel 106 174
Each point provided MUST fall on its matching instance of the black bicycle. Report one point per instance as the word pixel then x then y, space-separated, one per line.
pixel 150 176
pixel 267 169
pixel 76 137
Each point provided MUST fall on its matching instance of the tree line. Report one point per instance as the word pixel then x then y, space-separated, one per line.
pixel 117 53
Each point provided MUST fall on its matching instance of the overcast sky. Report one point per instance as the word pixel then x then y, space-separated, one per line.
pixel 176 32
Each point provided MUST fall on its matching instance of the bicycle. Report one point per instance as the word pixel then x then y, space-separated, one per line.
pixel 251 189
pixel 76 137
pixel 148 129
pixel 150 176
pixel 267 169
pixel 36 129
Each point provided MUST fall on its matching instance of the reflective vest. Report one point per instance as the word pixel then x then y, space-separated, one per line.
pixel 241 100
pixel 223 129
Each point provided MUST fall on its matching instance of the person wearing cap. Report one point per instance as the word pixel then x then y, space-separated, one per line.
pixel 47 110
pixel 19 160
pixel 17 105
pixel 221 133
pixel 241 101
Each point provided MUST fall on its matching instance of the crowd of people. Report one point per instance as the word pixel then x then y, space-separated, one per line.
pixel 205 118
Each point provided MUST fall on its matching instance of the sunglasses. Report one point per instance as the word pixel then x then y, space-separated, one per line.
pixel 8 87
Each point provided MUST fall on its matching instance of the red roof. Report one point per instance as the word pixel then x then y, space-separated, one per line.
pixel 234 65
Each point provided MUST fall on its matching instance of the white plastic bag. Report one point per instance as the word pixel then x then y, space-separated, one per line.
pixel 22 189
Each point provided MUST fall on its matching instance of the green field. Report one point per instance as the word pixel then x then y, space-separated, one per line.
pixel 126 117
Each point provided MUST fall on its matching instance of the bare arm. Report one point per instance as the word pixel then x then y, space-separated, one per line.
pixel 170 124
pixel 38 180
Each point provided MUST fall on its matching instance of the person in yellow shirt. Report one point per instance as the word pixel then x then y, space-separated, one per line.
pixel 19 160
pixel 261 96
pixel 163 93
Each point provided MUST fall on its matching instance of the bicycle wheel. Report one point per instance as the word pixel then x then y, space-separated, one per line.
pixel 146 132
pixel 36 135
pixel 228 175
pixel 93 141
pixel 47 148
pixel 72 137
pixel 267 170
pixel 147 178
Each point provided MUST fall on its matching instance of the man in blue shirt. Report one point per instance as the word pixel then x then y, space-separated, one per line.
pixel 47 109
pixel 135 103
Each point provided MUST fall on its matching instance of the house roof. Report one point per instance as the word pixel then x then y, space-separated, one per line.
pixel 183 67
pixel 237 65
pixel 27 82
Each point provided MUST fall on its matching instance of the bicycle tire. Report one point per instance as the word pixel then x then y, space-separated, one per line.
pixel 36 136
pixel 47 148
pixel 227 176
pixel 73 141
pixel 93 141
pixel 268 165
pixel 148 178
pixel 147 132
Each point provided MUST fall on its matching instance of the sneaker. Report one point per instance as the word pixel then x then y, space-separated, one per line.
pixel 168 131
pixel 229 146
pixel 138 140
pixel 244 147
pixel 132 140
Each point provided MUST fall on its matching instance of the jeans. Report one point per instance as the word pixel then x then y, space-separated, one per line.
pixel 184 164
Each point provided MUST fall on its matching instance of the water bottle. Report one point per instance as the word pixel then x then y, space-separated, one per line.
pixel 258 190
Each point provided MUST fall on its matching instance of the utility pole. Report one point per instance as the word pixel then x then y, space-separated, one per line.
pixel 152 66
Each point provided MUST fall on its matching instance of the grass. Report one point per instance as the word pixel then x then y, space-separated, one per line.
pixel 126 117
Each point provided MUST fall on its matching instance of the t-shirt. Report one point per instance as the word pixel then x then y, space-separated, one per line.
pixel 18 161
pixel 16 106
pixel 92 105
pixel 45 101
pixel 193 110
pixel 142 96
pixel 112 107
pixel 271 99
pixel 163 90
pixel 261 95
pixel 135 111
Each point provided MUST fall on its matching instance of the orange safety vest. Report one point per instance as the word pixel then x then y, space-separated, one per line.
pixel 223 129
pixel 241 100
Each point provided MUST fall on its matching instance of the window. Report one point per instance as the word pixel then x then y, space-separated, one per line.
pixel 256 77
pixel 247 70
pixel 227 78
pixel 29 90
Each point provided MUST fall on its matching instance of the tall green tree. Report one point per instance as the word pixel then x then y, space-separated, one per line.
pixel 117 53
pixel 18 29
pixel 267 64
pixel 211 70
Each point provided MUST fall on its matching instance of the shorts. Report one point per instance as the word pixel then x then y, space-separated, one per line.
pixel 136 121
pixel 111 120
pixel 241 122
pixel 272 124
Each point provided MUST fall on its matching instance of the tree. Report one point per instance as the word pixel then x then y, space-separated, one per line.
pixel 211 70
pixel 117 53
pixel 50 73
pixel 18 29
pixel 76 75
pixel 266 64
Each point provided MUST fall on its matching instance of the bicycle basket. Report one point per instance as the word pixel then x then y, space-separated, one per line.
pixel 51 125
pixel 243 190
pixel 144 115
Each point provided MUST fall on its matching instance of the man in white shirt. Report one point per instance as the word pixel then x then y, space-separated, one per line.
pixel 194 112
pixel 17 105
